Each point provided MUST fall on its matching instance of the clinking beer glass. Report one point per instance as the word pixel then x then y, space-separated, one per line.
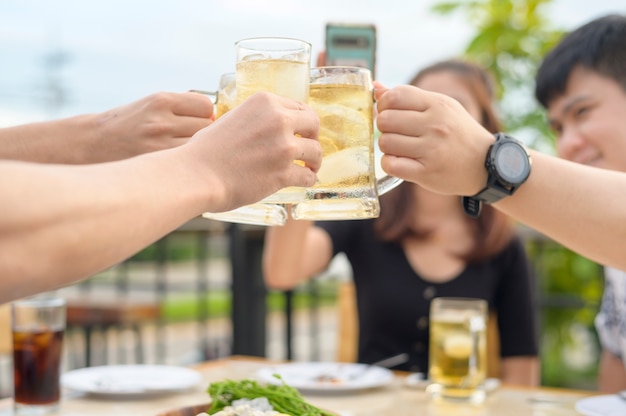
pixel 280 66
pixel 458 349
pixel 347 185
pixel 225 99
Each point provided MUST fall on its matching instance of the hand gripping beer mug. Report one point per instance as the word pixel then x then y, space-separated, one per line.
pixel 458 349
pixel 280 66
pixel 225 98
pixel 347 185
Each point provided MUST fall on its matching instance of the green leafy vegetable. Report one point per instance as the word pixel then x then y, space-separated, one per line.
pixel 283 398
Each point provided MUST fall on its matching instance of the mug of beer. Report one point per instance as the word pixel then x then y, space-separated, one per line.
pixel 347 185
pixel 458 349
pixel 225 99
pixel 280 66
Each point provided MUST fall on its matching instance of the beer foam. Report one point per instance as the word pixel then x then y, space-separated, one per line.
pixel 456 316
pixel 457 346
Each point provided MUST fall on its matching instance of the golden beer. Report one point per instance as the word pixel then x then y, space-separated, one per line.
pixel 458 352
pixel 255 214
pixel 284 77
pixel 280 66
pixel 280 76
pixel 226 95
pixel 346 128
pixel 346 181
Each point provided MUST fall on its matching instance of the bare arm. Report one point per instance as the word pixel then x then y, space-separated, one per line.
pixel 521 371
pixel 158 121
pixel 611 373
pixel 583 208
pixel 294 253
pixel 430 139
pixel 61 223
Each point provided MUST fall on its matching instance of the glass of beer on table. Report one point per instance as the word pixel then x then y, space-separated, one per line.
pixel 458 349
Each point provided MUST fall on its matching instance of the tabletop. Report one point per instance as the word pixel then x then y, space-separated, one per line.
pixel 396 399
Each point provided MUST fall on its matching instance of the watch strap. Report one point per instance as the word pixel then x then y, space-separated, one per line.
pixel 472 206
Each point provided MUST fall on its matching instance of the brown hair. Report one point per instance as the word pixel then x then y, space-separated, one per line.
pixel 492 230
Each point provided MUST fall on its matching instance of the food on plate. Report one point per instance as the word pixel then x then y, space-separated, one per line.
pixel 232 397
pixel 328 378
pixel 246 407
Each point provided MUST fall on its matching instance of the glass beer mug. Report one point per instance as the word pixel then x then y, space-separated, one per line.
pixel 225 99
pixel 277 65
pixel 347 185
pixel 458 349
pixel 280 66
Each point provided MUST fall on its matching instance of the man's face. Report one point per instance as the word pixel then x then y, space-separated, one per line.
pixel 589 120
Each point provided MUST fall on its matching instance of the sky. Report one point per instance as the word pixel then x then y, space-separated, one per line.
pixel 102 54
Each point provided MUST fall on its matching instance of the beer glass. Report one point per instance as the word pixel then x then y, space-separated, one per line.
pixel 38 324
pixel 280 66
pixel 225 98
pixel 458 349
pixel 347 185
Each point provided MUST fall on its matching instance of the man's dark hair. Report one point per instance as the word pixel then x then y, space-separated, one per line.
pixel 599 46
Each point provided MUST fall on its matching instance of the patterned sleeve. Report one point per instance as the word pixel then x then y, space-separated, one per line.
pixel 611 319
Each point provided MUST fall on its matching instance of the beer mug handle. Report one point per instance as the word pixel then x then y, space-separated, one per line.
pixel 387 183
pixel 384 182
pixel 211 94
pixel 476 327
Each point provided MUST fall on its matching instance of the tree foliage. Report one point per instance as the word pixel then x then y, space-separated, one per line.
pixel 511 39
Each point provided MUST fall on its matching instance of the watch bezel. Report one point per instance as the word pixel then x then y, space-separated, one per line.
pixel 495 153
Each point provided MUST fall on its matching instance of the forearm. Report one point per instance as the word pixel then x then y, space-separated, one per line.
pixel 583 208
pixel 59 141
pixel 283 254
pixel 521 371
pixel 611 373
pixel 64 223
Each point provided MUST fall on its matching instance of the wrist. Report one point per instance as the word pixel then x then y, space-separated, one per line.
pixel 507 166
pixel 79 136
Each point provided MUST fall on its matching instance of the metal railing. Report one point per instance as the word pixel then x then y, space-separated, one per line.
pixel 246 331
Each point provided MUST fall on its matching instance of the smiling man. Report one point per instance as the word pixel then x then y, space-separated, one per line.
pixel 582 84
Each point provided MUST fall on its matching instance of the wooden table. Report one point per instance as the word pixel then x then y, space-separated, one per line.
pixel 395 399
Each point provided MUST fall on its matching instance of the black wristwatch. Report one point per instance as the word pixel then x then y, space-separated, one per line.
pixel 508 166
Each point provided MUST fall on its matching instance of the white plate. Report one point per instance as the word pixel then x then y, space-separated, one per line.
pixel 606 405
pixel 327 376
pixel 130 380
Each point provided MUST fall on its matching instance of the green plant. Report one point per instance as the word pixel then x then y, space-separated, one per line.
pixel 218 303
pixel 569 287
pixel 512 37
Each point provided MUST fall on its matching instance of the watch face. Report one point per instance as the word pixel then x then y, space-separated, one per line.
pixel 512 163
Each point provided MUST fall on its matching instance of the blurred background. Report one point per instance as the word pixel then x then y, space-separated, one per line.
pixel 68 57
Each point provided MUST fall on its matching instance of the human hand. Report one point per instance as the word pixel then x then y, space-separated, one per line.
pixel 158 121
pixel 250 151
pixel 321 59
pixel 430 139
